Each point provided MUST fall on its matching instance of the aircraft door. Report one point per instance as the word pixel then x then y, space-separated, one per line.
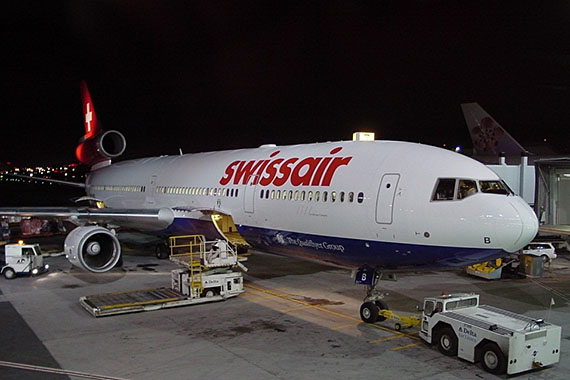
pixel 151 190
pixel 385 200
pixel 249 195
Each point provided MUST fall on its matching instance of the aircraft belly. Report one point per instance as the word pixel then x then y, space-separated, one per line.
pixel 358 252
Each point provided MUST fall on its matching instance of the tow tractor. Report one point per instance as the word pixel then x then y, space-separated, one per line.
pixel 23 259
pixel 205 275
pixel 501 340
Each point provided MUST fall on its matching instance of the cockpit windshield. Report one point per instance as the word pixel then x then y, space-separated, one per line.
pixel 494 187
pixel 449 189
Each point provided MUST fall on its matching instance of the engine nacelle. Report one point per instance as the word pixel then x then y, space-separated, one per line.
pixel 93 248
pixel 105 146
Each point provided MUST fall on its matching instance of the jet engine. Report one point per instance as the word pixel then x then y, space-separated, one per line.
pixel 105 146
pixel 93 248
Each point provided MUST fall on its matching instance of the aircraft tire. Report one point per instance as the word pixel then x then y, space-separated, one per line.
pixel 369 312
pixel 381 306
pixel 161 251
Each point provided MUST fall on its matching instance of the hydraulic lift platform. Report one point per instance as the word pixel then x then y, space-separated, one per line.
pixel 206 276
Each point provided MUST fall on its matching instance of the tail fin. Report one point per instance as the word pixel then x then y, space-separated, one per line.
pixel 97 147
pixel 488 137
pixel 89 115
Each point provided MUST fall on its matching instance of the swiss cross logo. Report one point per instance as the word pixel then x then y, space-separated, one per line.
pixel 88 117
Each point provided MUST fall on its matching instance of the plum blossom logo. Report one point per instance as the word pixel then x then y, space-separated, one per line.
pixel 486 135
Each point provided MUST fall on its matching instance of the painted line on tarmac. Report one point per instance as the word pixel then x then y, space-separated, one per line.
pixel 406 346
pixel 57 371
pixel 285 311
pixel 551 290
pixel 346 326
pixel 320 308
pixel 374 341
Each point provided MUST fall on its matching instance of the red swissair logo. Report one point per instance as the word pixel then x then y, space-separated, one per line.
pixel 310 171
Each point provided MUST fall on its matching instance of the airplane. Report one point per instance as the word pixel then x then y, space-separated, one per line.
pixel 487 135
pixel 490 139
pixel 367 205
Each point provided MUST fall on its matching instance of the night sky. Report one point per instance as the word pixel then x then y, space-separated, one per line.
pixel 213 75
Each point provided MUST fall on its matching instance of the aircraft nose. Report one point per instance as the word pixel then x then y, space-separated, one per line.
pixel 528 224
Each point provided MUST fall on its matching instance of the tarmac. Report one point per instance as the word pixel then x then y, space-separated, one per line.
pixel 296 320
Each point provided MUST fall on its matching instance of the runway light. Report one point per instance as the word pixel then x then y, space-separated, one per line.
pixel 458 148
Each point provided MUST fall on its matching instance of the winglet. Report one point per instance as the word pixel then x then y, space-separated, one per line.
pixel 489 138
pixel 89 116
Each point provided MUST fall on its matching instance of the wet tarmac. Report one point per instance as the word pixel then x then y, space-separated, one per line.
pixel 296 320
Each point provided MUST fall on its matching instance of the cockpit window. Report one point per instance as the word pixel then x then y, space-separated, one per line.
pixel 494 187
pixel 466 188
pixel 444 189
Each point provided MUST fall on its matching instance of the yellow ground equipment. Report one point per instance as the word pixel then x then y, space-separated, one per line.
pixel 490 270
pixel 403 321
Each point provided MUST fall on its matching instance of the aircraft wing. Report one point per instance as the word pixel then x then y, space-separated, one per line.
pixel 143 219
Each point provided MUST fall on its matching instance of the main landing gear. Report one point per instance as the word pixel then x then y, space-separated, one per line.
pixel 372 303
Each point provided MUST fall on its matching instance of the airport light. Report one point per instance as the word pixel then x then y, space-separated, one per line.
pixel 363 136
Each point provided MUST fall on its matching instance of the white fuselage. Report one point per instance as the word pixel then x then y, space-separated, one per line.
pixel 384 212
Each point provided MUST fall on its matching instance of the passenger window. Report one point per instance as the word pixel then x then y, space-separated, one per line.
pixel 325 196
pixel 444 190
pixel 466 188
pixel 333 196
pixel 360 198
pixel 317 195
pixel 351 197
pixel 290 195
pixel 278 195
pixel 296 195
pixel 310 196
pixel 272 194
pixel 302 195
pixel 342 196
pixel 261 194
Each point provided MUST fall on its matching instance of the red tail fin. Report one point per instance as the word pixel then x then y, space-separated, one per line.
pixel 89 116
pixel 97 147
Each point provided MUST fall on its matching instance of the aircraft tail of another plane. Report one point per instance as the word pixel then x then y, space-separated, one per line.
pixel 97 147
pixel 489 138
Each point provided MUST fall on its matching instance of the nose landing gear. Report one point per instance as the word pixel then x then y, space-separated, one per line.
pixel 373 302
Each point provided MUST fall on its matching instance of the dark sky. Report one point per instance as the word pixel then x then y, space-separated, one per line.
pixel 216 75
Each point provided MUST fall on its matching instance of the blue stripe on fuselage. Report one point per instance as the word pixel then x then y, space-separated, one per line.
pixel 342 251
pixel 358 253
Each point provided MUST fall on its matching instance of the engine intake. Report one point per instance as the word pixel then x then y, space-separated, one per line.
pixel 93 248
pixel 107 145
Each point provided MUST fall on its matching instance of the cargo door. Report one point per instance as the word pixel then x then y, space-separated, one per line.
pixel 385 200
pixel 249 195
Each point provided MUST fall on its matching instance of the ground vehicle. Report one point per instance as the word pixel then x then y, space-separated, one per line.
pixel 23 259
pixel 206 276
pixel 544 249
pixel 501 340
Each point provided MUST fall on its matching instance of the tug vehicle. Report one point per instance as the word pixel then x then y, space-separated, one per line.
pixel 23 259
pixel 501 340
